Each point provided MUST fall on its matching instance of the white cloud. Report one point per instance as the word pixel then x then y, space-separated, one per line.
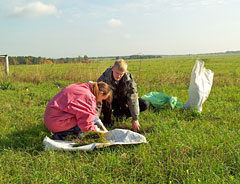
pixel 211 2
pixel 107 31
pixel 126 36
pixel 114 22
pixel 34 9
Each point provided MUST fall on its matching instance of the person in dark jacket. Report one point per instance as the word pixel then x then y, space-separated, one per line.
pixel 125 95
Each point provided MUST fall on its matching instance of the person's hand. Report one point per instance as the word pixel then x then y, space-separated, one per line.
pixel 104 129
pixel 135 125
pixel 103 132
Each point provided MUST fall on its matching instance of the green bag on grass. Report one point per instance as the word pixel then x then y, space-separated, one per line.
pixel 157 99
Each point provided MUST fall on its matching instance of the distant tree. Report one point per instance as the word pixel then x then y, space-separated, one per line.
pixel 47 61
pixel 85 57
pixel 86 61
pixel 40 60
pixel 14 61
pixel 28 61
pixel 2 61
pixel 59 61
pixel 80 59
pixel 21 60
pixel 67 60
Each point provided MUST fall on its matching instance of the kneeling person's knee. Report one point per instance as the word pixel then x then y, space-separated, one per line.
pixel 143 104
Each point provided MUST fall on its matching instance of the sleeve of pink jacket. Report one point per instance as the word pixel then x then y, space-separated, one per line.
pixel 85 112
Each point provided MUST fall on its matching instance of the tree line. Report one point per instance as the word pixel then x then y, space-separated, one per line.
pixel 31 60
pixel 129 57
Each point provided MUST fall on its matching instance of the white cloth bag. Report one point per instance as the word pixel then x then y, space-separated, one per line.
pixel 200 86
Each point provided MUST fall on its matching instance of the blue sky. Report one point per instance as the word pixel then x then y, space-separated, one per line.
pixel 71 28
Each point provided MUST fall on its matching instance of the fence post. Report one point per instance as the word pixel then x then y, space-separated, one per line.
pixel 6 65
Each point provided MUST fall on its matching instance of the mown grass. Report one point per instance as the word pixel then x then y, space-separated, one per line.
pixel 184 146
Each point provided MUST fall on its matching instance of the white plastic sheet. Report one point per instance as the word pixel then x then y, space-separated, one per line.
pixel 115 137
pixel 200 86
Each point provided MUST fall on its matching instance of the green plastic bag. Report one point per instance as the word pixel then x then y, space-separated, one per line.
pixel 157 99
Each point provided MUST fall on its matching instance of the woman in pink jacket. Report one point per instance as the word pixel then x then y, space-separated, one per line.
pixel 73 110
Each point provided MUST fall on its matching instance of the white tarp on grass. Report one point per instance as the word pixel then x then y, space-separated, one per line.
pixel 115 137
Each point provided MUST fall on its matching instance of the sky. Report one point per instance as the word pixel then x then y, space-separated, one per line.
pixel 72 28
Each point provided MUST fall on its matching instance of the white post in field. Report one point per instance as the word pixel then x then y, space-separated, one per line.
pixel 6 65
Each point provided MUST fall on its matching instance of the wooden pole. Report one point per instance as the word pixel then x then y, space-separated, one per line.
pixel 6 65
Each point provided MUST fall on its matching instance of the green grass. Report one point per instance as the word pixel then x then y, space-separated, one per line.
pixel 184 146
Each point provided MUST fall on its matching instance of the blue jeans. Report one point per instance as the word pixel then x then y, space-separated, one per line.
pixel 75 131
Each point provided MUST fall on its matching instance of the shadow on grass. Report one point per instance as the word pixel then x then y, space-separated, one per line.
pixel 189 114
pixel 29 140
pixel 181 113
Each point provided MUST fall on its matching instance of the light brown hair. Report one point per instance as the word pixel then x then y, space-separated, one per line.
pixel 104 87
pixel 121 65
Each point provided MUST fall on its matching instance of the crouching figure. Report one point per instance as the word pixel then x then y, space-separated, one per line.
pixel 74 109
pixel 125 95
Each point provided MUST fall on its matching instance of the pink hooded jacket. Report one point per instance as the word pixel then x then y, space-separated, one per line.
pixel 74 105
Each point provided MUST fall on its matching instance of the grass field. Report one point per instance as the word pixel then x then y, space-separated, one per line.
pixel 184 146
